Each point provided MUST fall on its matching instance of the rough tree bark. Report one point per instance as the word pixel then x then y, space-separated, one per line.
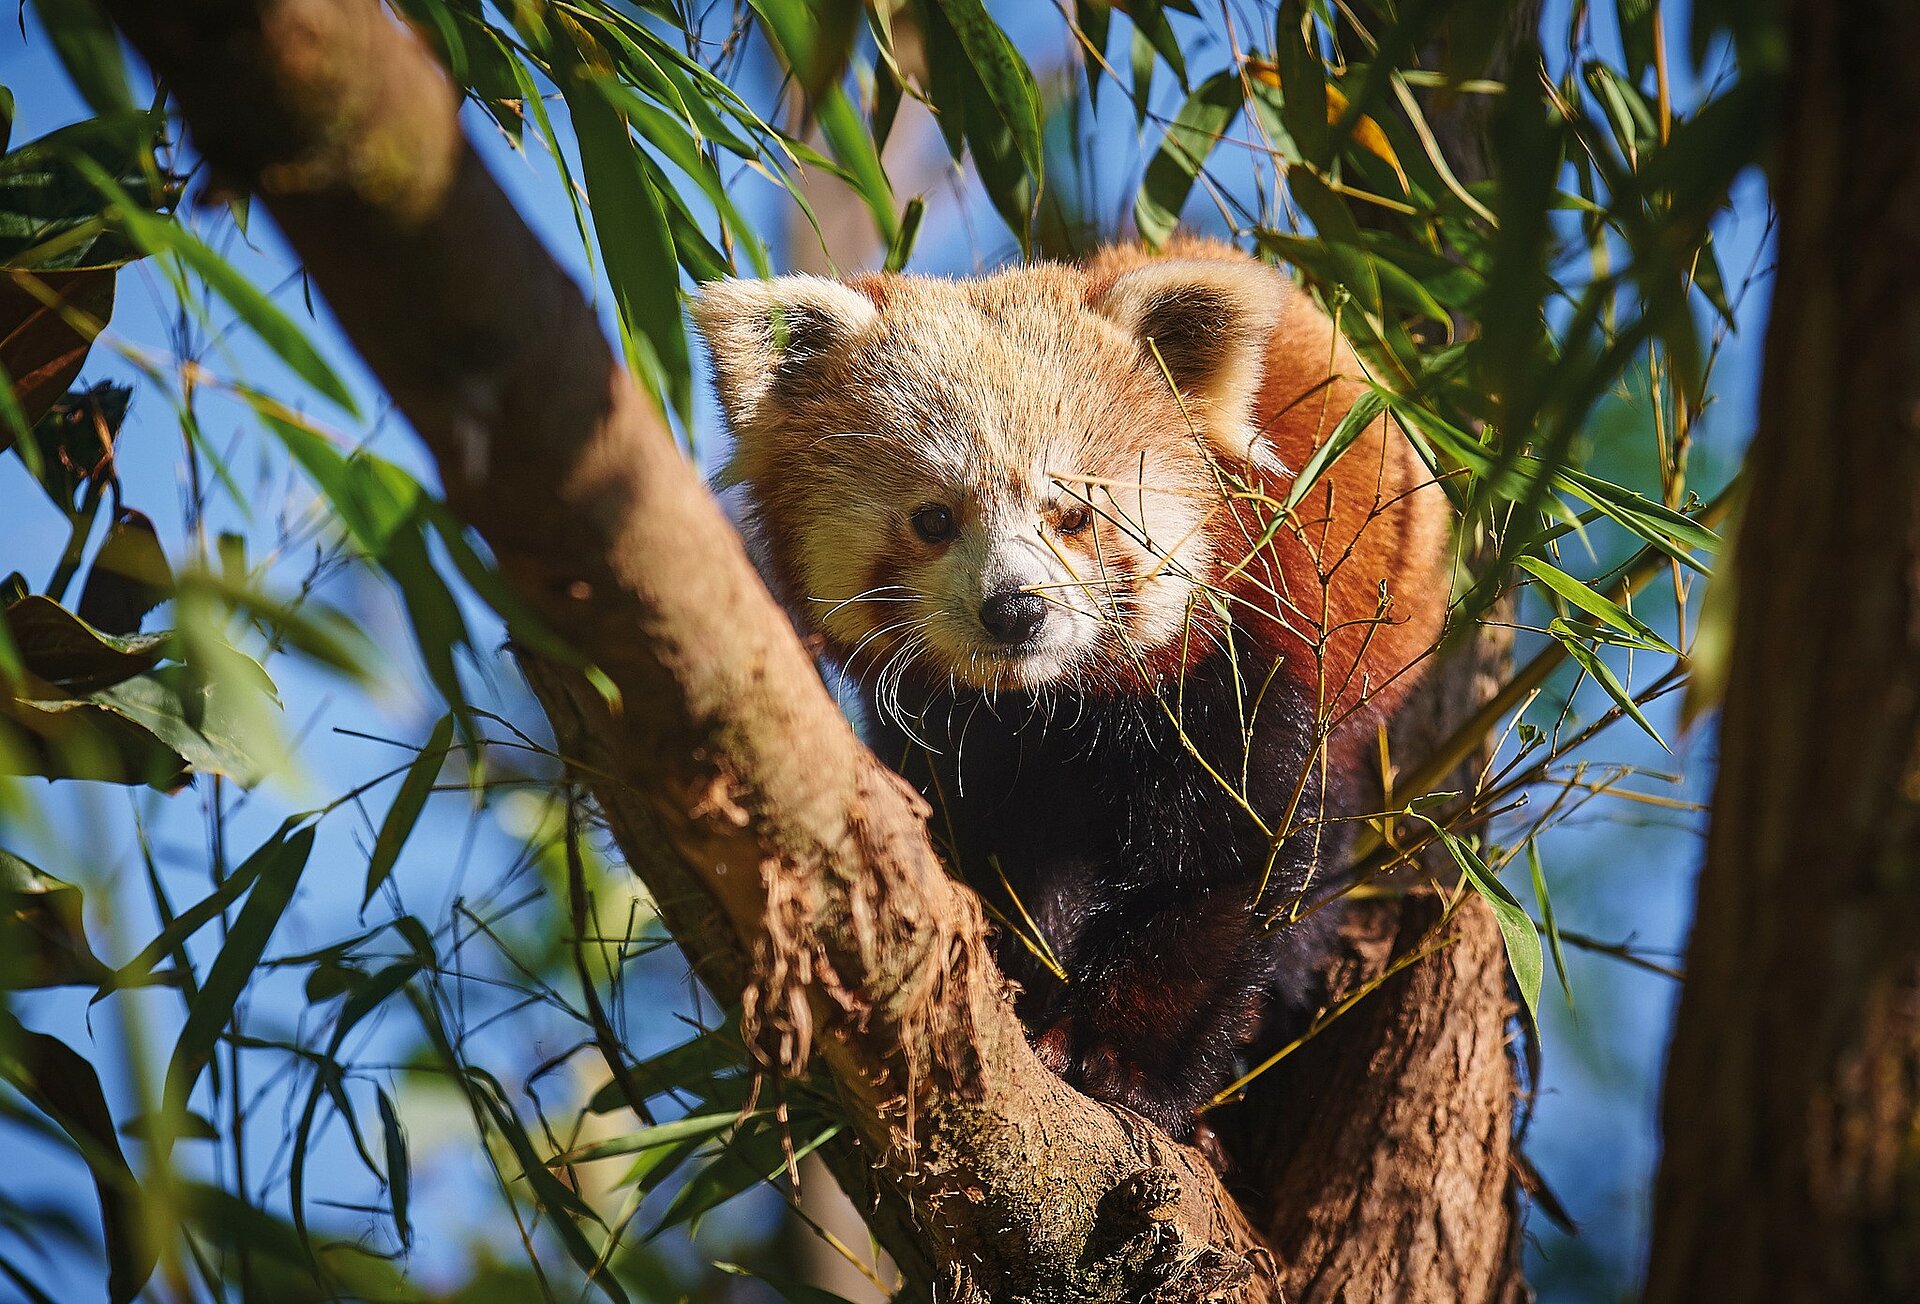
pixel 794 868
pixel 1791 1170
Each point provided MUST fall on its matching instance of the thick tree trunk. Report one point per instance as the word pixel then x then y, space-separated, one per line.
pixel 1791 1170
pixel 793 868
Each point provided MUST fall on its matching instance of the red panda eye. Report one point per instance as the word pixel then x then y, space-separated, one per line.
pixel 933 523
pixel 1074 520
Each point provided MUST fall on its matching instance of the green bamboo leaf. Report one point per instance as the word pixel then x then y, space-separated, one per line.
pixel 329 1077
pixel 667 134
pixel 651 1170
pixel 1603 675
pixel 66 651
pixel 1638 20
pixel 1190 138
pixel 1303 83
pixel 751 1156
pixel 1594 604
pixel 1516 926
pixel 1358 418
pixel 636 244
pixel 1142 63
pixel 1150 20
pixel 1094 20
pixel 246 942
pixel 1003 74
pixel 399 1168
pixel 325 634
pixel 694 1127
pixel 90 49
pixel 691 1066
pixel 566 1208
pixel 158 235
pixel 43 935
pixel 374 499
pixel 846 134
pixel 902 247
pixel 404 813
pixel 1651 518
pixel 1547 922
pixel 214 713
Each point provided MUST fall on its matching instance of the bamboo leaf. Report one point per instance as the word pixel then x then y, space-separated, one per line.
pixel 1358 418
pixel 1547 922
pixel 636 245
pixel 1516 926
pixel 751 1156
pixel 1002 73
pixel 404 813
pixel 694 1127
pixel 1593 603
pixel 399 1168
pixel 1183 151
pixel 87 44
pixel 1603 675
pixel 63 1086
pixel 212 1007
pixel 43 935
pixel 158 235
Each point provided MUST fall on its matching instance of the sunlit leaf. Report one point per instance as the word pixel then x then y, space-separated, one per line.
pixel 1592 603
pixel 1516 926
pixel 694 1127
pixel 1361 415
pixel 1590 661
pixel 1190 138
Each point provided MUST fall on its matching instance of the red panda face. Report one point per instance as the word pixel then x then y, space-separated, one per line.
pixel 993 484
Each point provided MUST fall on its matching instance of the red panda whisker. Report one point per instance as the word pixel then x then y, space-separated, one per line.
pixel 871 595
pixel 854 656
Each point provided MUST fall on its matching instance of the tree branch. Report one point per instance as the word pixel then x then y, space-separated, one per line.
pixel 726 769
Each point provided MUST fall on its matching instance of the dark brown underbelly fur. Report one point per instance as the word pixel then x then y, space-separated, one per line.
pixel 1141 871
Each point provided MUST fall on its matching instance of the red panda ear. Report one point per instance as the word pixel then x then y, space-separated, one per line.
pixel 762 334
pixel 1210 322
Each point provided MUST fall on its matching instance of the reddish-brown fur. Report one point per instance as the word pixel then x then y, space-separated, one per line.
pixel 1143 781
pixel 1375 517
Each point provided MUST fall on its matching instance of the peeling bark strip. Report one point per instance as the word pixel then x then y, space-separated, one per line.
pixel 793 868
pixel 1791 1170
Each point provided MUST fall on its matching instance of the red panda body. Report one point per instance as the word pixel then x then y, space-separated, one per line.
pixel 1039 518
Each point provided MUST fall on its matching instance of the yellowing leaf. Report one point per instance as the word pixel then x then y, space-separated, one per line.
pixel 1366 132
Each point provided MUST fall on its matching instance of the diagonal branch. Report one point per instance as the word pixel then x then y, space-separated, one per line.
pixel 796 868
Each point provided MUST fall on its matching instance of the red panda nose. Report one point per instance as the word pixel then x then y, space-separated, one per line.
pixel 1013 616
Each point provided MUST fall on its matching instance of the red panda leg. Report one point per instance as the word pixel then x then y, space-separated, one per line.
pixel 1154 1021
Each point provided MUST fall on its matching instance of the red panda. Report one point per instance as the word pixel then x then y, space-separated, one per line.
pixel 1036 517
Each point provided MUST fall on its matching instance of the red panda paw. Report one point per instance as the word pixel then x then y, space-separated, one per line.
pixel 1099 1069
pixel 1054 1047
